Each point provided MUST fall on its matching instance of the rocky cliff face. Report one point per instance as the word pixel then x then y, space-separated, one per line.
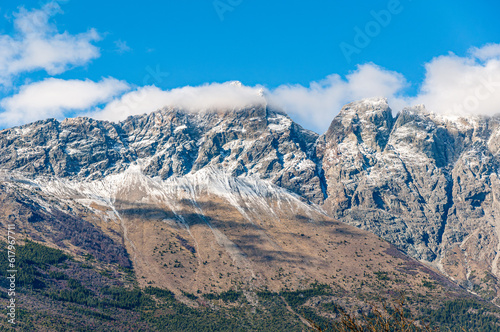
pixel 424 182
pixel 389 175
pixel 250 142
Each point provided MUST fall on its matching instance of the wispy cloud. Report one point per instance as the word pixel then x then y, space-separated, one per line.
pixel 487 52
pixel 121 46
pixel 56 98
pixel 36 44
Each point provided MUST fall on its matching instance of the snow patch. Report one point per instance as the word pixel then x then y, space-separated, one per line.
pixel 179 128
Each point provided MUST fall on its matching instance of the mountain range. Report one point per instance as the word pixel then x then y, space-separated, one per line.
pixel 248 201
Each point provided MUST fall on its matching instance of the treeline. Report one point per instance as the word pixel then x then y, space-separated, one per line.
pixel 30 259
pixel 116 297
pixel 229 296
pixel 460 315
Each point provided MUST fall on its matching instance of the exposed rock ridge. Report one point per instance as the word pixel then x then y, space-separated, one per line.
pixel 171 142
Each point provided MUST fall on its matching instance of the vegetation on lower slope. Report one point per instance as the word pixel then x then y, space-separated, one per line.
pixel 63 293
pixel 458 315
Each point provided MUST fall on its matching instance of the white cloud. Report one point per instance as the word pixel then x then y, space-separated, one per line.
pixel 229 95
pixel 315 106
pixel 452 84
pixel 36 44
pixel 486 52
pixel 462 85
pixel 56 97
pixel 121 46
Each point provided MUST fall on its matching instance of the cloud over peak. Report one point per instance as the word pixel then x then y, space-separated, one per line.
pixel 214 96
pixel 321 100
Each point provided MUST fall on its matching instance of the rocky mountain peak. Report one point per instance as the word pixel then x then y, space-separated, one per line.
pixel 368 122
pixel 253 141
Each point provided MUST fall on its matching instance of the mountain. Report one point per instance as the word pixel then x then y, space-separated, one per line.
pixel 247 201
pixel 425 182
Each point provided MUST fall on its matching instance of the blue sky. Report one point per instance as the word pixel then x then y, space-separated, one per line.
pixel 288 48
